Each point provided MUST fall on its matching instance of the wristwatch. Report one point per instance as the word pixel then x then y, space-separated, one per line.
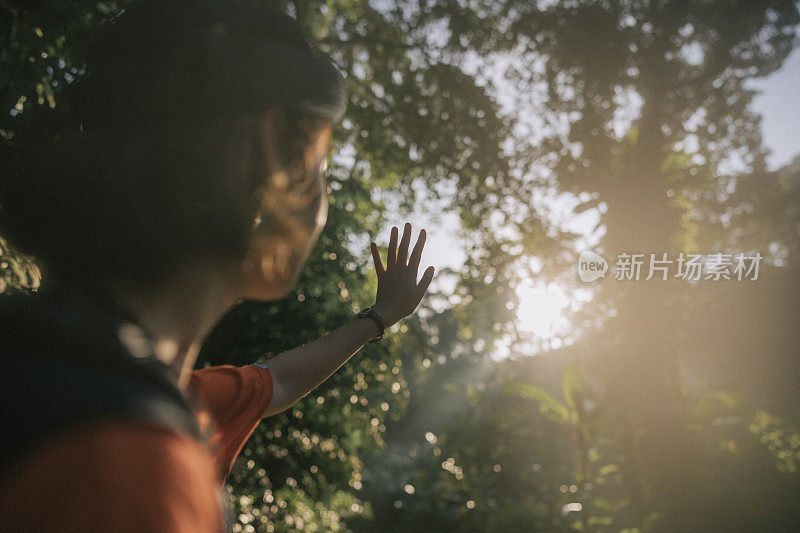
pixel 370 313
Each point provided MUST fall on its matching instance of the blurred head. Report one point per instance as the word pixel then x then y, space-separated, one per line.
pixel 198 135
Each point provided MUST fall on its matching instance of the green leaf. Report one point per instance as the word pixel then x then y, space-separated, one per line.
pixel 548 406
pixel 608 469
pixel 572 386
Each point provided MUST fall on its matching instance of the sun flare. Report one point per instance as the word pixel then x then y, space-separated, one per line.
pixel 541 309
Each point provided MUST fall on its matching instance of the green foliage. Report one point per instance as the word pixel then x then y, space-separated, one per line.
pixel 626 430
pixel 551 408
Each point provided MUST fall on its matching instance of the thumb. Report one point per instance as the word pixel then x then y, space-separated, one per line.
pixel 425 282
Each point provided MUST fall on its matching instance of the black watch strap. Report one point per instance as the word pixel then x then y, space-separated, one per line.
pixel 370 313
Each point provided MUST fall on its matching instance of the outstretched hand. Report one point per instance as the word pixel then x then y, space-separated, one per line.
pixel 399 293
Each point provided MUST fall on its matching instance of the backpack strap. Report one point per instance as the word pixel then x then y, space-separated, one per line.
pixel 64 365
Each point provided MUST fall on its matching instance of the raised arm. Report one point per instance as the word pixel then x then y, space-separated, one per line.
pixel 297 372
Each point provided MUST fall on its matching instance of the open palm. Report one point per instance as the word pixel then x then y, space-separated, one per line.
pixel 399 293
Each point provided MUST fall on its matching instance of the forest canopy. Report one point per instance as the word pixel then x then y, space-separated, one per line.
pixel 663 405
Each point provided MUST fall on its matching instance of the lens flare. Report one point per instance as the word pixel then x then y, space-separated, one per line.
pixel 541 309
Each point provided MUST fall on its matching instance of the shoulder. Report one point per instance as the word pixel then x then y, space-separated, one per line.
pixel 113 477
pixel 256 371
pixel 225 389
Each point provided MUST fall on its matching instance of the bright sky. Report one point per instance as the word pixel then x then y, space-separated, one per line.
pixel 779 106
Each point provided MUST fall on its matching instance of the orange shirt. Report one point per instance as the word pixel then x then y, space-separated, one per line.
pixel 122 477
pixel 233 400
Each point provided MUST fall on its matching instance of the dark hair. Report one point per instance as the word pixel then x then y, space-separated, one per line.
pixel 90 209
pixel 137 180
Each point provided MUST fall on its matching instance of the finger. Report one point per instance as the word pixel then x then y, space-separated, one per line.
pixel 416 254
pixel 425 282
pixel 376 257
pixel 402 253
pixel 391 257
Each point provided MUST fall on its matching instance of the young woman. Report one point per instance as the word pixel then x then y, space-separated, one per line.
pixel 193 178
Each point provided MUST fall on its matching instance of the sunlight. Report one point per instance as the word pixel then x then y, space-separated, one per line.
pixel 541 309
